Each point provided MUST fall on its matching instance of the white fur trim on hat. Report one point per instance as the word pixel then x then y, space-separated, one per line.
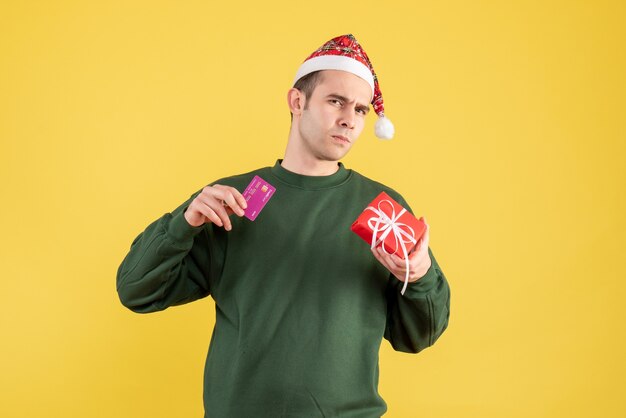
pixel 335 62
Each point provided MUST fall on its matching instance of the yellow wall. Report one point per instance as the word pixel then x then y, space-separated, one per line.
pixel 510 121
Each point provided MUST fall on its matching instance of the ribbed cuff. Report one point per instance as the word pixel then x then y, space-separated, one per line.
pixel 423 285
pixel 179 229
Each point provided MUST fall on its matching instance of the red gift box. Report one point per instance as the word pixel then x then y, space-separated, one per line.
pixel 389 225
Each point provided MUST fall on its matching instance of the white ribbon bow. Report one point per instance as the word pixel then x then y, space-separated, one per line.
pixel 389 224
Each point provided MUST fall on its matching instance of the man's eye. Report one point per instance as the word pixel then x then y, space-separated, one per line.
pixel 335 101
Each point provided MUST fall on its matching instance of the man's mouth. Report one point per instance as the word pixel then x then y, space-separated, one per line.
pixel 341 138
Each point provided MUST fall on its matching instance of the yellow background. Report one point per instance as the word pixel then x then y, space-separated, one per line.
pixel 510 121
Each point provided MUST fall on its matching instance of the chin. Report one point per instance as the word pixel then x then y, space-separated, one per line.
pixel 333 156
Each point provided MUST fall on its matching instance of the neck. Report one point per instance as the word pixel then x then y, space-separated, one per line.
pixel 299 161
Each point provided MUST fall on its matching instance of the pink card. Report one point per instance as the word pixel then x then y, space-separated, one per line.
pixel 257 194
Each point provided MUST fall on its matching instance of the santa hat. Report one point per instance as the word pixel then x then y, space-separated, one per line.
pixel 344 53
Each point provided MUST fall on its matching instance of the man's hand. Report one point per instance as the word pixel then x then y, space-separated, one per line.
pixel 419 260
pixel 214 204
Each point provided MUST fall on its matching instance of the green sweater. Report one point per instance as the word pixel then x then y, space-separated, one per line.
pixel 301 303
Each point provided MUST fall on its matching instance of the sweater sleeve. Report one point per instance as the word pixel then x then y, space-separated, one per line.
pixel 417 319
pixel 168 264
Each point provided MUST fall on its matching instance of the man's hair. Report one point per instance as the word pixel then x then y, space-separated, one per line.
pixel 306 85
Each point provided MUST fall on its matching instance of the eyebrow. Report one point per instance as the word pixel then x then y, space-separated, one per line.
pixel 359 106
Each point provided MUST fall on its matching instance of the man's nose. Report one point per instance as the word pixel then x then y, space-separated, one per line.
pixel 347 118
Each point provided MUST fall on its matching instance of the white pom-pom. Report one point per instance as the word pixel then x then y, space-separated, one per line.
pixel 384 128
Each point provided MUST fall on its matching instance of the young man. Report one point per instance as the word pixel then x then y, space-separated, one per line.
pixel 302 304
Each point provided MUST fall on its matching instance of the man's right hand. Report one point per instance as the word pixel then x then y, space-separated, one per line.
pixel 214 204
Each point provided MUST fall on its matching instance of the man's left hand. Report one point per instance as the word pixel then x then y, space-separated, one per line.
pixel 419 260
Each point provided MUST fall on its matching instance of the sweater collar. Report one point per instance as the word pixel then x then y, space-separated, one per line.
pixel 310 182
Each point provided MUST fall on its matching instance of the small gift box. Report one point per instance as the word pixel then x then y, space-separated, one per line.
pixel 385 223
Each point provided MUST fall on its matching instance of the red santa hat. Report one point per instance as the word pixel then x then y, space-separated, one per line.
pixel 345 53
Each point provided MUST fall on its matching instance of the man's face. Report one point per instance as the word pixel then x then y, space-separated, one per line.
pixel 334 115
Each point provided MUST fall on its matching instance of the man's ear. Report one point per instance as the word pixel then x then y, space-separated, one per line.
pixel 295 100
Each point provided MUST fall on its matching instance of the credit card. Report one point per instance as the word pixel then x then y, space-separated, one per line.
pixel 257 194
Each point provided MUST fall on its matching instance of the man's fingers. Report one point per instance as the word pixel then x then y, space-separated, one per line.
pixel 212 216
pixel 394 264
pixel 218 202
pixel 240 199
pixel 232 199
pixel 419 260
pixel 221 212
pixel 216 212
pixel 381 259
pixel 396 261
pixel 426 236
pixel 215 204
pixel 232 202
pixel 207 213
pixel 422 244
